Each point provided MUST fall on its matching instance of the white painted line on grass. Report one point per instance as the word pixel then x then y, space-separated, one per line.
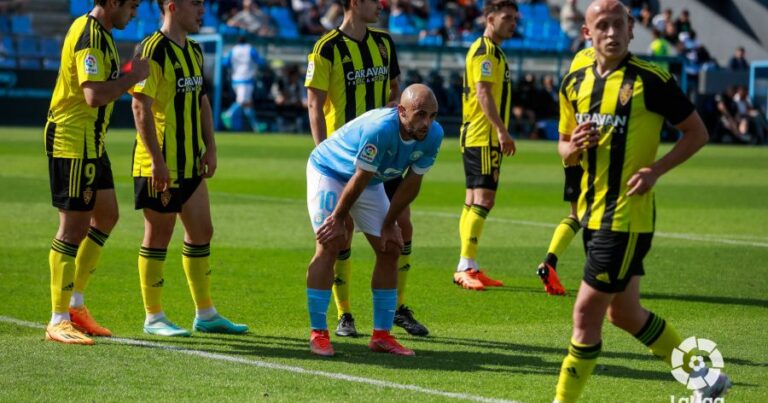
pixel 279 367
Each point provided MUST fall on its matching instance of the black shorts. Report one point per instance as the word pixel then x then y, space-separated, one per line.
pixel 169 201
pixel 482 166
pixel 391 186
pixel 572 183
pixel 75 181
pixel 614 257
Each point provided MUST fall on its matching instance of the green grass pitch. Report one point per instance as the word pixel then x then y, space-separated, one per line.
pixel 707 275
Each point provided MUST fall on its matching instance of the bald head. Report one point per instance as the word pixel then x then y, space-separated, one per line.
pixel 598 7
pixel 418 96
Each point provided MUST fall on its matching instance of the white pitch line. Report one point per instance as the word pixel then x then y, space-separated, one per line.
pixel 279 367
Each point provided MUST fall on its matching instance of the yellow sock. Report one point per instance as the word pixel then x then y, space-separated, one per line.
pixel 342 273
pixel 151 277
pixel 661 338
pixel 88 257
pixel 472 229
pixel 61 259
pixel 562 237
pixel 195 259
pixel 576 369
pixel 403 267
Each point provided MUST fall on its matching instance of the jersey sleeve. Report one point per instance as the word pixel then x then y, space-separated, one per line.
pixel 667 99
pixel 371 148
pixel 149 85
pixel 91 65
pixel 567 114
pixel 394 65
pixel 427 160
pixel 482 68
pixel 318 72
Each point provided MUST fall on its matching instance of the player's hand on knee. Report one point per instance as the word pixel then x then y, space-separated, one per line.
pixel 391 234
pixel 333 228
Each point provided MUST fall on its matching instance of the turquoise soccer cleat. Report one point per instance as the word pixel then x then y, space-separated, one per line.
pixel 164 327
pixel 219 324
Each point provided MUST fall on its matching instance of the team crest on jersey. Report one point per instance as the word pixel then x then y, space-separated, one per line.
pixel 310 70
pixel 625 94
pixel 91 65
pixel 416 155
pixel 495 175
pixel 87 195
pixel 383 51
pixel 369 153
pixel 165 198
pixel 486 68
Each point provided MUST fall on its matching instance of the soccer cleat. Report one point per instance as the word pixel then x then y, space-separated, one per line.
pixel 712 392
pixel 404 318
pixel 383 342
pixel 548 276
pixel 468 279
pixel 218 324
pixel 487 281
pixel 64 332
pixel 164 327
pixel 346 326
pixel 320 343
pixel 84 322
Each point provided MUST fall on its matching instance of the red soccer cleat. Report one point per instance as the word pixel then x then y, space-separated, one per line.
pixel 468 280
pixel 320 343
pixel 383 342
pixel 549 277
pixel 487 281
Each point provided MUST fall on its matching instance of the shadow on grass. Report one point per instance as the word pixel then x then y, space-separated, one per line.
pixel 709 299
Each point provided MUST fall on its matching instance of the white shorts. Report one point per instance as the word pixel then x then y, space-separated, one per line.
pixel 323 192
pixel 243 93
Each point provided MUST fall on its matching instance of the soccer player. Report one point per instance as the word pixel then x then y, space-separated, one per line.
pixel 351 70
pixel 611 115
pixel 484 135
pixel 243 60
pixel 80 173
pixel 175 152
pixel 344 178
pixel 567 229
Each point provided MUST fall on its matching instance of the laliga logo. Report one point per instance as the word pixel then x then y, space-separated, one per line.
pixel 695 380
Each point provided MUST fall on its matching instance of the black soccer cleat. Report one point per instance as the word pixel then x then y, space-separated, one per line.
pixel 346 327
pixel 404 318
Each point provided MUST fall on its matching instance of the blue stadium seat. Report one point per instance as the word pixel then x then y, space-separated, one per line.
pixel 286 26
pixel 435 20
pixel 5 25
pixel 7 53
pixel 209 18
pixel 79 7
pixel 51 64
pixel 226 30
pixel 21 24
pixel 130 33
pixel 28 46
pixel 50 47
pixel 402 25
pixel 29 63
pixel 148 10
pixel 431 40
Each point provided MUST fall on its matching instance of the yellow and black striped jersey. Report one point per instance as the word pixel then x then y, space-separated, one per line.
pixel 355 75
pixel 485 62
pixel 629 107
pixel 176 85
pixel 582 58
pixel 74 129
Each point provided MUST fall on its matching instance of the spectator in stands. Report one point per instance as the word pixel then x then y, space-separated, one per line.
pixel 571 20
pixel 226 8
pixel 645 15
pixel 739 61
pixel 455 91
pixel 333 14
pixel 436 83
pixel 290 99
pixel 402 19
pixel 301 6
pixel 659 46
pixel 670 33
pixel 548 98
pixel 412 76
pixel 253 20
pixel 449 31
pixel 683 22
pixel 309 22
pixel 728 126
pixel 13 6
pixel 659 22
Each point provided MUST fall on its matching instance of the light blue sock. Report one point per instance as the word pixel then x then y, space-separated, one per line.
pixel 317 303
pixel 251 116
pixel 384 304
pixel 232 109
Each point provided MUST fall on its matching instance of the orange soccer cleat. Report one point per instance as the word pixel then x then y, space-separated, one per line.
pixel 549 277
pixel 320 343
pixel 468 279
pixel 383 342
pixel 84 322
pixel 64 332
pixel 487 281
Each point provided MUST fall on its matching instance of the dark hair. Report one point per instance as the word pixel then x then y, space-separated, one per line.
pixel 160 4
pixel 497 5
pixel 104 2
pixel 345 4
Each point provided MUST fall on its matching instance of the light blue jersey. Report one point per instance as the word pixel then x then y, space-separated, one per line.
pixel 372 143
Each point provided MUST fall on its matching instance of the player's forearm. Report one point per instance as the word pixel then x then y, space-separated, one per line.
pixel 694 137
pixel 394 91
pixel 145 125
pixel 317 125
pixel 569 155
pixel 352 191
pixel 405 195
pixel 101 93
pixel 490 110
pixel 206 122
